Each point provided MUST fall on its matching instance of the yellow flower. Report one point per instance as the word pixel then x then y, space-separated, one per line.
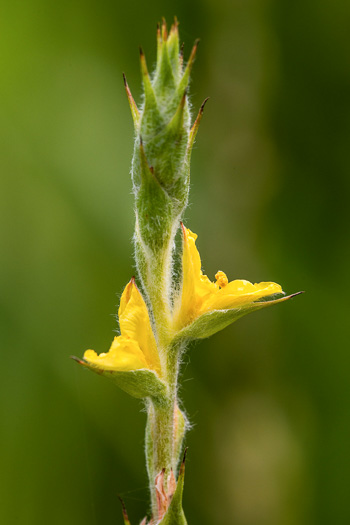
pixel 136 347
pixel 199 295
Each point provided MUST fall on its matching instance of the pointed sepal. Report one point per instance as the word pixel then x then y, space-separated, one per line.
pixel 214 321
pixel 186 75
pixel 194 129
pixel 125 514
pixel 166 153
pixel 164 81
pixel 133 107
pixel 173 49
pixel 140 383
pixel 153 204
pixel 151 120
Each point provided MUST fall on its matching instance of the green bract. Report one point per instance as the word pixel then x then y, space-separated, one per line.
pixel 137 383
pixel 210 323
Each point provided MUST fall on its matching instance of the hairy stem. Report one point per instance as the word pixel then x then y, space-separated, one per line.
pixel 164 436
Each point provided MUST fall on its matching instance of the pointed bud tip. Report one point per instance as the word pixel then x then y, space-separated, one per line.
pixel 192 55
pixel 184 456
pixel 194 49
pixel 174 28
pixel 203 104
pixel 164 29
pixel 295 294
pixel 182 466
pixel 125 514
pixel 77 360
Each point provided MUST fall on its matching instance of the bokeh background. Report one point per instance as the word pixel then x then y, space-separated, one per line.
pixel 268 397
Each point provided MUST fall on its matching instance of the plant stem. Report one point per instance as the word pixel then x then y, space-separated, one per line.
pixel 162 436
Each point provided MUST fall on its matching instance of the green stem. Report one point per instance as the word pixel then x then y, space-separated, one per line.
pixel 162 438
pixel 154 270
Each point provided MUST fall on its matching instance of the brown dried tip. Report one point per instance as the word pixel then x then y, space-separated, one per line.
pixel 295 294
pixel 125 82
pixel 134 109
pixel 181 54
pixel 125 514
pixel 196 123
pixel 182 466
pixel 164 30
pixel 194 51
pixel 201 109
pixel 175 26
pixel 77 359
pixel 144 69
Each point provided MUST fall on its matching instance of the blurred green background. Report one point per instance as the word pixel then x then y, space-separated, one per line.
pixel 268 397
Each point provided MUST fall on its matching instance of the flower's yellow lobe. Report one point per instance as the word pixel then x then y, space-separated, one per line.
pixel 199 295
pixel 136 347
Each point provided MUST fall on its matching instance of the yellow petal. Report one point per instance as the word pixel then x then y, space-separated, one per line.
pixel 135 324
pixel 238 293
pixel 124 355
pixel 196 287
pixel 199 295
